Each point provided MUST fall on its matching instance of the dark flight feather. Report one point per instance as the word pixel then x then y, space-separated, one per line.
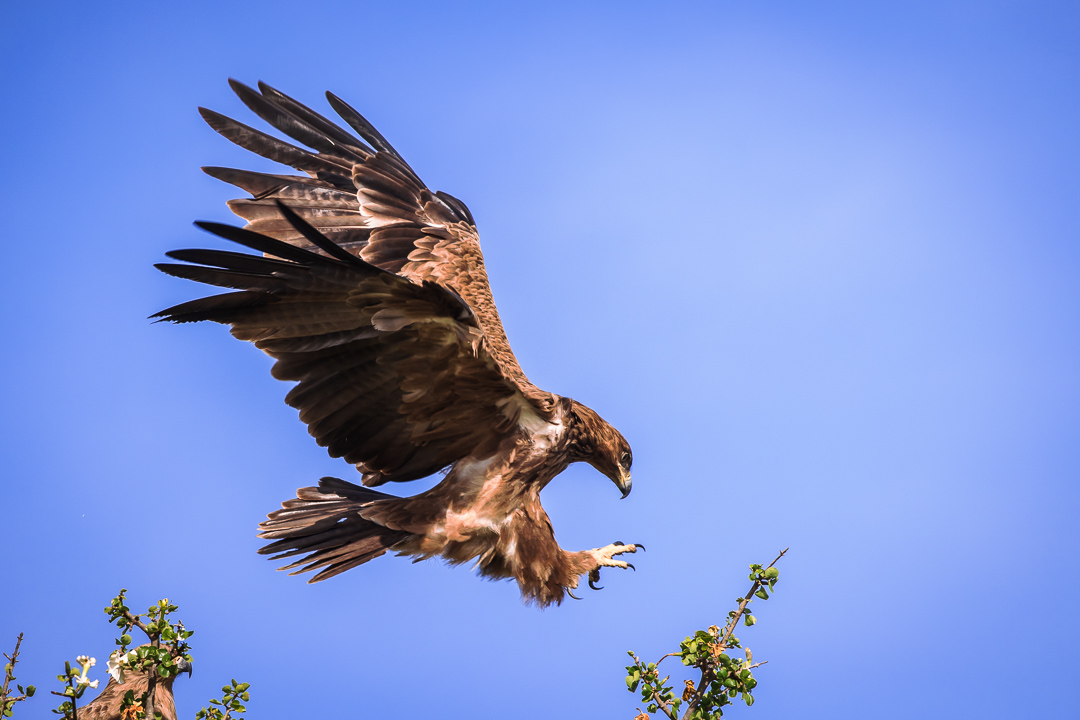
pixel 268 146
pixel 294 127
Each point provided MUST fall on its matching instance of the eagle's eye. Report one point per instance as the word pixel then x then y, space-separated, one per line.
pixel 626 460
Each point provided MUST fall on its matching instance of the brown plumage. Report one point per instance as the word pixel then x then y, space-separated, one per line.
pixel 372 295
pixel 106 706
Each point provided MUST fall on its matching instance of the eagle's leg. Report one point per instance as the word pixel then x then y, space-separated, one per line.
pixel 605 557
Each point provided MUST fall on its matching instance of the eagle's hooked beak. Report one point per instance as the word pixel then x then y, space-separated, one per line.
pixel 623 483
pixel 184 667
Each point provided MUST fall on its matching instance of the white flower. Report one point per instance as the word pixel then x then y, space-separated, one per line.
pixel 118 663
pixel 113 666
pixel 81 679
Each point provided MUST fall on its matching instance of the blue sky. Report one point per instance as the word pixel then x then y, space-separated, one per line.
pixel 818 262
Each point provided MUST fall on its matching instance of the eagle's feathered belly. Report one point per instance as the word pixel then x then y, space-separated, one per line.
pixel 477 511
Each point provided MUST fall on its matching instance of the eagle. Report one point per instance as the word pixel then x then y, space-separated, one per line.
pixel 107 705
pixel 369 291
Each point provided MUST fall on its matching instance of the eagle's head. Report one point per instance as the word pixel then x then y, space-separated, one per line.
pixel 596 442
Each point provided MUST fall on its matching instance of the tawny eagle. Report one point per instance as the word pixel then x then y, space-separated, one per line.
pixel 107 705
pixel 371 294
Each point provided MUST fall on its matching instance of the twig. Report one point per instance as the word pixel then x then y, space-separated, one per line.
pixel 72 699
pixel 151 676
pixel 9 673
pixel 663 706
pixel 703 683
pixel 151 679
pixel 722 643
pixel 729 629
pixel 134 620
pixel 660 702
pixel 6 702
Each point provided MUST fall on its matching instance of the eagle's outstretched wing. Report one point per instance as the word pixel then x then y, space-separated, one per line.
pixel 361 194
pixel 394 375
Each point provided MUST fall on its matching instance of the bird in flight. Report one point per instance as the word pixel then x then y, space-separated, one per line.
pixel 371 294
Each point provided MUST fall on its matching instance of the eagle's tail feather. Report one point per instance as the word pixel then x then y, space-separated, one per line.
pixel 324 524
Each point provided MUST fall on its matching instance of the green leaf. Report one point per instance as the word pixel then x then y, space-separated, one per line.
pixel 772 573
pixel 749 620
pixel 762 594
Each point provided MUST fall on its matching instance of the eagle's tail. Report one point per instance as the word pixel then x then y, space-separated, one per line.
pixel 324 524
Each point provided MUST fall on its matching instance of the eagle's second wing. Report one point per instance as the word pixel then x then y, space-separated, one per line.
pixel 365 198
pixel 394 375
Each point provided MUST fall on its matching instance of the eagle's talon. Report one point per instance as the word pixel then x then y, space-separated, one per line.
pixel 631 566
pixel 572 594
pixel 640 546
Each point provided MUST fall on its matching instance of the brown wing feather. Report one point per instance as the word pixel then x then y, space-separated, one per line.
pixel 393 375
pixel 383 214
